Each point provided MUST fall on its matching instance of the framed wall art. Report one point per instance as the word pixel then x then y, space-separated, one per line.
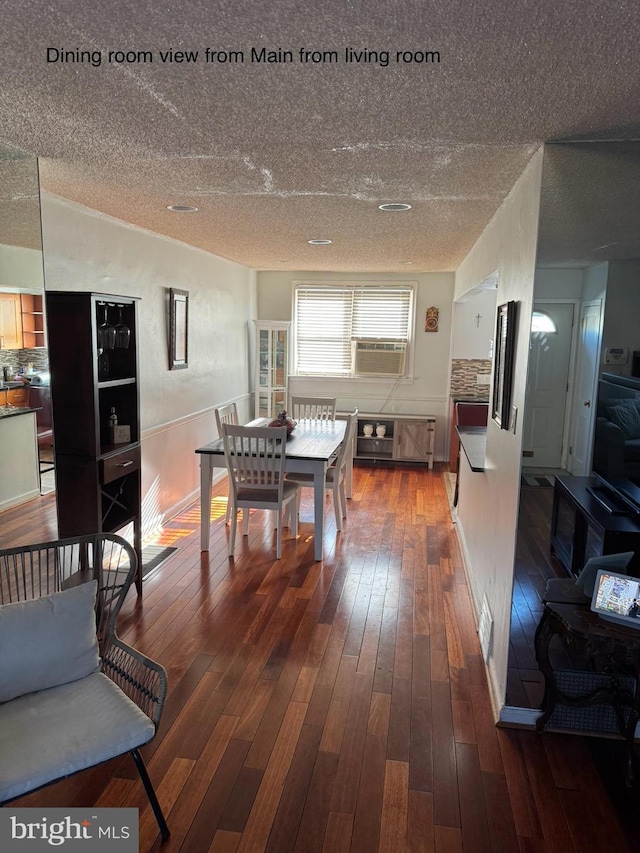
pixel 178 328
pixel 431 319
pixel 503 359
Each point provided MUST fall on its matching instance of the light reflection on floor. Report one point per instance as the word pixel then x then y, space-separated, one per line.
pixel 186 522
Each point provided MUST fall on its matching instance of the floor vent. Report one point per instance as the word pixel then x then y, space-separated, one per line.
pixel 485 629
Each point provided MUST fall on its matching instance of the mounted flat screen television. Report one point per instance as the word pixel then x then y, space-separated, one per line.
pixel 616 448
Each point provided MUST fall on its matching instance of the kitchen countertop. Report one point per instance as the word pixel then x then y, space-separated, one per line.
pixel 473 440
pixel 11 412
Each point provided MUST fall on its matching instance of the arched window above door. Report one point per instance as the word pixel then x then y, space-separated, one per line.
pixel 543 322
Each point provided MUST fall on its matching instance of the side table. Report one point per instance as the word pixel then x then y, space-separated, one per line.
pixel 613 655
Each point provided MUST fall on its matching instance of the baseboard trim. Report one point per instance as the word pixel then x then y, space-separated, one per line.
pixel 20 499
pixel 178 508
pixel 496 702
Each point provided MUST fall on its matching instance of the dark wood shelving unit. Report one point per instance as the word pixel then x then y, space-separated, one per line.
pixel 98 483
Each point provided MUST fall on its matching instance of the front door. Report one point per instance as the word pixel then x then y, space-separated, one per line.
pixel 547 384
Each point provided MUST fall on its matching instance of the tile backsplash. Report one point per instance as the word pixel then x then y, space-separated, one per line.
pixel 18 359
pixel 464 378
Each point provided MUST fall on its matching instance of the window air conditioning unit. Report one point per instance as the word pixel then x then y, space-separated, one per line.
pixel 380 358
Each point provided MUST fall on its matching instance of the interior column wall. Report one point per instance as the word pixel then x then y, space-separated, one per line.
pixel 488 501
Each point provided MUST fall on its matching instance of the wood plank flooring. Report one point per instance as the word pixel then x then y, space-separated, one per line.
pixel 335 706
pixel 533 567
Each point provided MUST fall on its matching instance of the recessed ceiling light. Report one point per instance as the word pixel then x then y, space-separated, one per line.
pixel 319 242
pixel 394 206
pixel 181 208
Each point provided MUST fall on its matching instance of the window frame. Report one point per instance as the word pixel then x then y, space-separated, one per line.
pixel 410 285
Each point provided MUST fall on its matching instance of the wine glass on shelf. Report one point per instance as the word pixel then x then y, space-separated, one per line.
pixel 106 332
pixel 123 332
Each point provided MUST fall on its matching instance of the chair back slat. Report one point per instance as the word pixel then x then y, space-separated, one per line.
pixel 255 459
pixel 346 448
pixel 318 408
pixel 226 415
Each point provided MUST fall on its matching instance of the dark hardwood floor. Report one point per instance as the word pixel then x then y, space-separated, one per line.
pixel 335 706
pixel 533 568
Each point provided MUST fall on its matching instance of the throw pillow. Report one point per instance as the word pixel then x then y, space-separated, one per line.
pixel 627 417
pixel 48 641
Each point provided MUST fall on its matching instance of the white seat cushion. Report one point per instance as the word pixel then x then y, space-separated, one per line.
pixel 248 495
pixel 52 733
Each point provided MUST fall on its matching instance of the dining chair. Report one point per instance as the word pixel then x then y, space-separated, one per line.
pixel 336 474
pixel 319 408
pixel 226 415
pixel 255 459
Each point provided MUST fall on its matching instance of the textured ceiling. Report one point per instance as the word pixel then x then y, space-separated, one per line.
pixel 590 204
pixel 19 200
pixel 276 154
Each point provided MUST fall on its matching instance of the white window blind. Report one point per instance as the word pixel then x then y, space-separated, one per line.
pixel 381 313
pixel 329 319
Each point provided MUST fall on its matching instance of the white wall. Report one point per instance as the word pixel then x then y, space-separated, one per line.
pixel 558 283
pixel 622 315
pixel 20 268
pixel 472 334
pixel 86 251
pixel 488 501
pixel 426 394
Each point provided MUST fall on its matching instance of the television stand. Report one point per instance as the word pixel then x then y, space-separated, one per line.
pixel 610 501
pixel 581 526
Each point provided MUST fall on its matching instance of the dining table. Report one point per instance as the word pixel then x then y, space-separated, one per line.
pixel 310 449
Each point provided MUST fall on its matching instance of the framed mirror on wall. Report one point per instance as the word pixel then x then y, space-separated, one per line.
pixel 503 355
pixel 178 328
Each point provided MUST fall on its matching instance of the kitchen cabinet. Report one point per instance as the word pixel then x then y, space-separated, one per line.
pixel 32 315
pixel 464 413
pixel 40 398
pixel 18 397
pixel 405 438
pixel 272 368
pixel 97 481
pixel 10 321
